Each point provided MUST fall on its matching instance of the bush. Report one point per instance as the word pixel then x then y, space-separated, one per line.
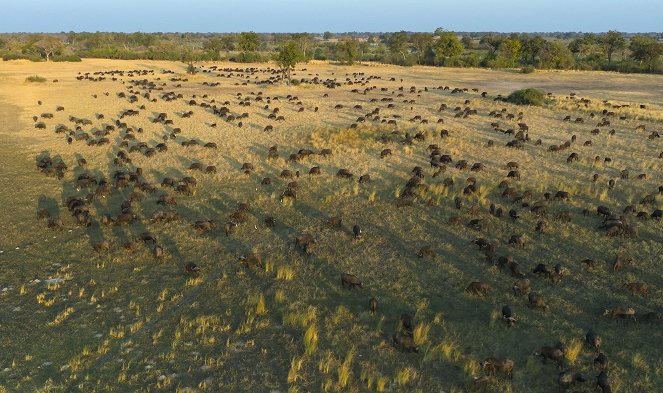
pixel 295 82
pixel 35 78
pixel 526 97
pixel 528 69
pixel 15 56
pixel 248 57
pixel 70 58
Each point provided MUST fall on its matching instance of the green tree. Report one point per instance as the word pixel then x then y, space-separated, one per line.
pixel 467 41
pixel 228 42
pixel 612 41
pixel 304 41
pixel 347 50
pixel 646 50
pixel 327 35
pixel 492 42
pixel 48 46
pixel 421 42
pixel 447 46
pixel 397 44
pixel 248 42
pixel 288 56
pixel 576 45
pixel 508 52
pixel 213 45
pixel 532 47
pixel 555 55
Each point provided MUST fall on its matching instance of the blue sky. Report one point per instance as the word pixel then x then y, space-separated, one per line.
pixel 335 16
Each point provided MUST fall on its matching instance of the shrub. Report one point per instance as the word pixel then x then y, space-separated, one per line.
pixel 35 78
pixel 15 56
pixel 526 97
pixel 295 82
pixel 528 69
pixel 70 58
pixel 248 57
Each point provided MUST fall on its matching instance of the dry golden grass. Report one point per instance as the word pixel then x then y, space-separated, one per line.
pixel 290 326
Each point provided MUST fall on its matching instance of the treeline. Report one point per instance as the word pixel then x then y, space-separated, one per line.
pixel 611 51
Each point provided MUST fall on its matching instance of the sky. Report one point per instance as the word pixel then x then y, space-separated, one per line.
pixel 335 16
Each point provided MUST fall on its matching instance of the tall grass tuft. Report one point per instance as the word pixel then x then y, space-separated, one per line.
pixel 345 369
pixel 311 339
pixel 35 79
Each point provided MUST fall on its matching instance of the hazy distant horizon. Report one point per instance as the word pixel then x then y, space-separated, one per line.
pixel 341 16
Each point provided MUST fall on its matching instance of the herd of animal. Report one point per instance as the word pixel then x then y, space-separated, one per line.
pixel 141 91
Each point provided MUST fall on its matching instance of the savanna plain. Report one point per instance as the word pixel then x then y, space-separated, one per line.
pixel 186 274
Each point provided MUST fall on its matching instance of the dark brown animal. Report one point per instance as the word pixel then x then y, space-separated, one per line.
pixel 404 342
pixel 478 288
pixel 351 280
pixel 491 365
pixel 637 287
pixel 621 312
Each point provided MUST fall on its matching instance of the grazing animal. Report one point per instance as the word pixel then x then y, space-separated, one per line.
pixel 553 353
pixel 637 287
pixel 407 322
pixel 620 261
pixel 491 365
pixel 603 382
pixel 404 342
pixel 351 280
pixel 158 251
pixel 229 227
pixel 602 361
pixel 356 230
pixel 373 305
pixel 335 222
pixel 251 260
pixel 426 251
pixel 102 246
pixel 521 286
pixel 507 316
pixel 569 378
pixel 593 339
pixel 535 301
pixel 478 288
pixel 306 243
pixel 621 312
pixel 191 268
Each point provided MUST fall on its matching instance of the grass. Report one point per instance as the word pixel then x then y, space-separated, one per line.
pixel 290 326
pixel 35 79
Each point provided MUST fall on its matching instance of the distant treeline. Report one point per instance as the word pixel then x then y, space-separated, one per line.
pixel 611 51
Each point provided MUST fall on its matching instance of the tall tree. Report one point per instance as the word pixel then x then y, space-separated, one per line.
pixel 612 41
pixel 213 45
pixel 421 42
pixel 288 56
pixel 467 41
pixel 447 46
pixel 248 42
pixel 646 50
pixel 304 41
pixel 348 50
pixel 492 41
pixel 397 44
pixel 228 42
pixel 48 46
pixel 532 47
pixel 508 52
